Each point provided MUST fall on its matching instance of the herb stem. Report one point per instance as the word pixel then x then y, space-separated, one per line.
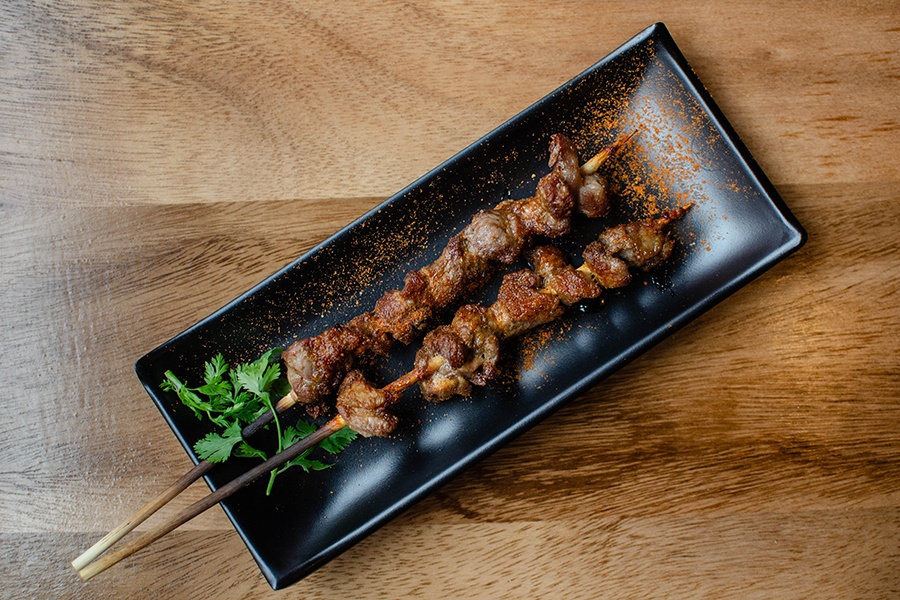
pixel 274 473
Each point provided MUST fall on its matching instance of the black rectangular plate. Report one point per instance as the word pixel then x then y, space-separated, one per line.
pixel 685 151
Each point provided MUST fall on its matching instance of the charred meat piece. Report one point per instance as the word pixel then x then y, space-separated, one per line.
pixel 592 189
pixel 521 305
pixel 459 355
pixel 447 359
pixel 404 313
pixel 456 272
pixel 495 235
pixel 316 365
pixel 548 212
pixel 643 244
pixel 608 270
pixel 593 196
pixel 365 408
pixel 566 282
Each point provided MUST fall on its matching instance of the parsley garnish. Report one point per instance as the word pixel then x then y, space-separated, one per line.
pixel 232 397
pixel 217 447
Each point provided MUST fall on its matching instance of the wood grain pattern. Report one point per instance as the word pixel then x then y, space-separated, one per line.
pixel 158 159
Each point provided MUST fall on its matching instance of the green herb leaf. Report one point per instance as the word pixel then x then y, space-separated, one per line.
pixel 256 377
pixel 338 441
pixel 297 432
pixel 217 447
pixel 217 389
pixel 185 394
pixel 305 463
pixel 215 369
pixel 333 444
pixel 245 450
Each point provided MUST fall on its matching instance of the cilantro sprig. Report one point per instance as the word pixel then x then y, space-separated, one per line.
pixel 232 397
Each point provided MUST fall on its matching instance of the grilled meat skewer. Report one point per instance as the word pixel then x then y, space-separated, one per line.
pixel 464 353
pixel 316 365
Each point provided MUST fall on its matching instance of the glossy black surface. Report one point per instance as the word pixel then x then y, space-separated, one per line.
pixel 684 152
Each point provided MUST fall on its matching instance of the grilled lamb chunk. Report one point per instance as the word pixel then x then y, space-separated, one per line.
pixel 365 408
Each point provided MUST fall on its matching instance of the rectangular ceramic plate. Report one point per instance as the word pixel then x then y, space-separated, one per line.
pixel 685 151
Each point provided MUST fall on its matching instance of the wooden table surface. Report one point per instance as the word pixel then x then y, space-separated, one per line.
pixel 158 159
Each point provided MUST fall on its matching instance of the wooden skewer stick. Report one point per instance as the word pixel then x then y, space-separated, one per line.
pixel 183 483
pixel 203 467
pixel 214 498
pixel 199 470
pixel 594 163
pixel 410 379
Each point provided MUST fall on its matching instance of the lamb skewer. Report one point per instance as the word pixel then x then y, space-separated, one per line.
pixel 456 356
pixel 318 364
pixel 464 353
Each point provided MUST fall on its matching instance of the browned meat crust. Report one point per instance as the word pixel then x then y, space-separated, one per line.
pixel 643 244
pixel 592 190
pixel 568 283
pixel 316 365
pixel 369 414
